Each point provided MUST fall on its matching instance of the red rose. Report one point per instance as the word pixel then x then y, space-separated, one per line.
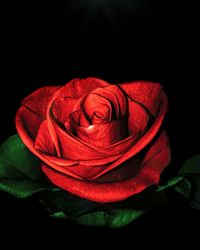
pixel 99 141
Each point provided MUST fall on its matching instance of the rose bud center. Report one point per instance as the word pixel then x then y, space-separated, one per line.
pixel 99 118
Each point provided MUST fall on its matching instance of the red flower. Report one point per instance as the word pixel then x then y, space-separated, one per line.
pixel 99 141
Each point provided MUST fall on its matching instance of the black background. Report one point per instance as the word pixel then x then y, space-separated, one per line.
pixel 45 43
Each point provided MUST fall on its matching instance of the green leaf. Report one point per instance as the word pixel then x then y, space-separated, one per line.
pixel 116 219
pixel 184 188
pixel 189 187
pixel 59 215
pixel 122 217
pixel 170 183
pixel 64 205
pixel 99 218
pixel 113 219
pixel 20 173
pixel 71 205
pixel 191 166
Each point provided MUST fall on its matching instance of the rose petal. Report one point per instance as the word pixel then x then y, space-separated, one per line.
pixel 161 145
pixel 147 138
pixel 62 108
pixel 34 109
pixel 90 155
pixel 121 146
pixel 147 93
pixel 114 149
pixel 88 105
pixel 60 162
pixel 103 135
pixel 123 172
pixel 78 117
pixel 111 97
pixel 28 141
pixel 97 107
pixel 148 175
pixel 89 172
pixel 115 95
pixel 37 101
pixel 77 88
pixel 101 105
pixel 100 162
pixel 64 100
pixel 138 118
pixel 44 145
pixel 43 142
pixel 30 120
pixel 71 148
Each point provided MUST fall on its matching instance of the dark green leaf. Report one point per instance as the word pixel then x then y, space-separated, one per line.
pixel 191 166
pixel 99 218
pixel 184 188
pixel 59 215
pixel 189 187
pixel 170 183
pixel 20 173
pixel 71 205
pixel 113 219
pixel 75 209
pixel 122 217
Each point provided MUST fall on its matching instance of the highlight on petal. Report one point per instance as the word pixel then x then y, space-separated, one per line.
pixel 103 135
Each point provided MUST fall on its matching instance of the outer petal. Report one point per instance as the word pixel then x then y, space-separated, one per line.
pixel 62 108
pixel 43 142
pixel 28 141
pixel 30 123
pixel 77 88
pixel 155 161
pixel 145 139
pixel 34 107
pixel 138 119
pixel 37 102
pixel 146 93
